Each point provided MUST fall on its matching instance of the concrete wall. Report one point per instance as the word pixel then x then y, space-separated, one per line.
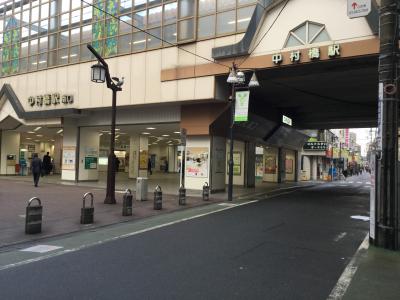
pixel 9 146
pixel 88 147
pixel 218 163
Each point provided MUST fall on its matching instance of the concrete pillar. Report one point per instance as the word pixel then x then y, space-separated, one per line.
pixel 250 165
pixel 218 163
pixel 10 142
pixel 281 165
pixel 89 141
pixel 314 165
pixel 138 156
pixel 197 162
pixel 171 159
pixel 69 151
pixel 57 155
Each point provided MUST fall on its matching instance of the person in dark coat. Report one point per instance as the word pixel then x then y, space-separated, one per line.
pixel 36 168
pixel 47 164
pixel 149 166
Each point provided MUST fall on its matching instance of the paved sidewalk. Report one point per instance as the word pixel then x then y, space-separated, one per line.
pixel 62 204
pixel 377 276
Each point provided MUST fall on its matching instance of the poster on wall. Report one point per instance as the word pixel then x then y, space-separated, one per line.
pixel 289 166
pixel 68 158
pixel 259 166
pixel 143 159
pixel 196 162
pixel 237 163
pixel 270 164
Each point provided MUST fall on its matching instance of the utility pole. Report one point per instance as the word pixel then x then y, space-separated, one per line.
pixel 386 180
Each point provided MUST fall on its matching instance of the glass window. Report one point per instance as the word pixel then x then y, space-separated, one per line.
pixel 33 46
pixel 63 39
pixel 206 27
pixel 52 58
pixel 152 40
pixel 123 26
pixel 53 8
pixel 43 44
pixel 24 49
pixel 64 5
pixel 53 41
pixel 206 7
pixel 225 4
pixel 44 11
pixel 88 1
pixel 62 56
pixel 42 62
pixel 139 3
pixel 169 34
pixel 125 5
pixel 186 8
pixel 186 30
pixel 86 33
pixel 292 41
pixel 74 54
pixel 35 14
pixel 244 2
pixel 75 4
pixel 75 17
pixel 75 36
pixel 25 16
pixel 139 19
pixel 23 64
pixel 244 17
pixel 301 33
pixel 85 53
pixel 226 22
pixel 87 14
pixel 322 37
pixel 124 43
pixel 24 32
pixel 32 63
pixel 53 24
pixel 35 2
pixel 154 18
pixel 170 12
pixel 44 26
pixel 64 20
pixel 139 41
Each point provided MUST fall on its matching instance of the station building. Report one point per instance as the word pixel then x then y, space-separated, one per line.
pixel 49 104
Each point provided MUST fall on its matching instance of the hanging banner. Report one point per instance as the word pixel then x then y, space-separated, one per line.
pixel 242 106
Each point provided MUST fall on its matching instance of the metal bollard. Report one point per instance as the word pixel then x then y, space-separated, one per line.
pixel 127 203
pixel 158 198
pixel 206 192
pixel 33 217
pixel 87 213
pixel 182 196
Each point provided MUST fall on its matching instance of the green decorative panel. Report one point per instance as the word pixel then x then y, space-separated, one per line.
pixel 98 28
pixel 111 28
pixel 10 47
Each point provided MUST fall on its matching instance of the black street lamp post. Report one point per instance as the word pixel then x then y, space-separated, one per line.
pixel 101 74
pixel 237 79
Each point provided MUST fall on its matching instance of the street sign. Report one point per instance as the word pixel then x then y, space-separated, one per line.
pixel 286 120
pixel 358 8
pixel 242 106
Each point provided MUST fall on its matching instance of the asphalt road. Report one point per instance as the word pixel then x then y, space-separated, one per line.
pixel 293 246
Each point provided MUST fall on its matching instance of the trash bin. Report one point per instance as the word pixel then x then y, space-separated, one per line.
pixel 141 189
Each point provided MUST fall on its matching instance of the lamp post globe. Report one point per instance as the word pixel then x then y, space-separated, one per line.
pixel 232 78
pixel 240 77
pixel 254 81
pixel 98 73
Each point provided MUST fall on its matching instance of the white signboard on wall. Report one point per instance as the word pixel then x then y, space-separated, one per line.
pixel 358 8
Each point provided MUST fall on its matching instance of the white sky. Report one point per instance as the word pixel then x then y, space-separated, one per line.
pixel 363 137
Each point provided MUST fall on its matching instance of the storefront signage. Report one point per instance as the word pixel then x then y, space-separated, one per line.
pixel 358 8
pixel 286 120
pixel 90 163
pixel 315 146
pixel 313 54
pixel 50 99
pixel 242 106
pixel 196 162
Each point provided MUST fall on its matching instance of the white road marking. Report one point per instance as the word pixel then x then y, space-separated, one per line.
pixel 340 236
pixel 362 218
pixel 359 182
pixel 84 246
pixel 351 181
pixel 41 248
pixel 345 279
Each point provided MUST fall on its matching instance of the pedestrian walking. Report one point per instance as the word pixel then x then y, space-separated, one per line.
pixel 36 168
pixel 46 164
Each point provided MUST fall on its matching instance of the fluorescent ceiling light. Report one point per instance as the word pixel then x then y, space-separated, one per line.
pixel 61 130
pixel 139 42
pixel 145 133
pixel 37 128
pixel 23 150
pixel 28 138
pixel 165 135
pixel 150 128
pixel 31 132
pixel 178 132
pixel 39 135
